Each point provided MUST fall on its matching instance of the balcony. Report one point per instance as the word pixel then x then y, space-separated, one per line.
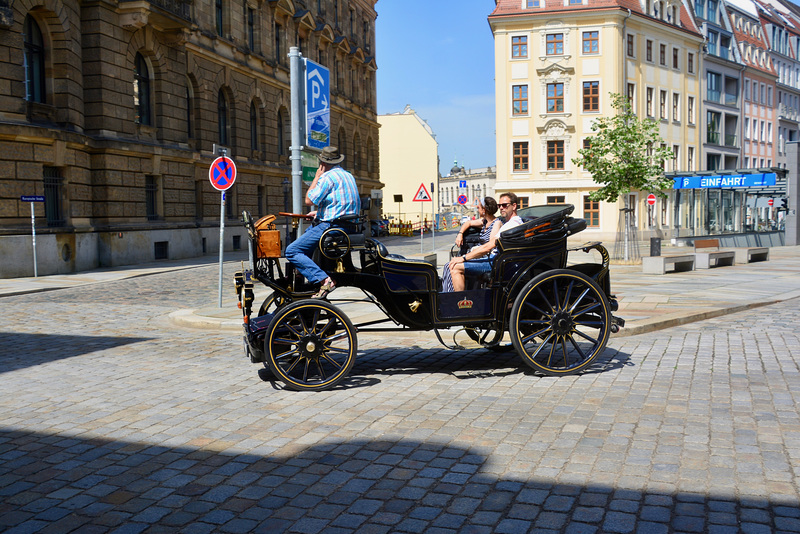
pixel 163 15
pixel 712 137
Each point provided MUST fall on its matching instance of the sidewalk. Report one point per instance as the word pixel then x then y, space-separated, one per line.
pixel 647 302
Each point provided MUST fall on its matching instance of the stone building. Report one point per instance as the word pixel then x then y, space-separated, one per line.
pixel 472 183
pixel 111 110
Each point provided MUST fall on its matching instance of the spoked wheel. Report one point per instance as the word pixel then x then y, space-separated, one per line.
pixel 560 322
pixel 310 345
pixel 272 303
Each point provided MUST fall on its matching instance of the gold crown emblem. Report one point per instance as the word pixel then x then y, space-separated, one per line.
pixel 465 304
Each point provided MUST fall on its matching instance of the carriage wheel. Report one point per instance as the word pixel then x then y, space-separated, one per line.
pixel 489 339
pixel 310 345
pixel 560 322
pixel 272 303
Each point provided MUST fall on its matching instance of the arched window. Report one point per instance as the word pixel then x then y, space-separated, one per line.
pixel 141 90
pixel 356 165
pixel 280 134
pixel 189 110
pixel 253 127
pixel 370 164
pixel 342 143
pixel 34 62
pixel 218 17
pixel 222 118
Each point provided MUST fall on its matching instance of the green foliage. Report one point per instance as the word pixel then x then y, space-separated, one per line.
pixel 618 154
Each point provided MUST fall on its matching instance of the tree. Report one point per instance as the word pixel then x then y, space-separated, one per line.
pixel 626 154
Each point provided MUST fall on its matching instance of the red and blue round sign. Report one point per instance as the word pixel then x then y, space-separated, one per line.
pixel 462 199
pixel 222 173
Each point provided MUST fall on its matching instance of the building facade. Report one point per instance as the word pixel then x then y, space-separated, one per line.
pixel 474 184
pixel 113 109
pixel 557 64
pixel 409 160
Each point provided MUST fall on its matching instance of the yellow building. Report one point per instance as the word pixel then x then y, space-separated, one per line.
pixel 556 65
pixel 409 158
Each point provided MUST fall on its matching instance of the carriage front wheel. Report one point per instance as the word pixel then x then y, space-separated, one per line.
pixel 560 322
pixel 310 345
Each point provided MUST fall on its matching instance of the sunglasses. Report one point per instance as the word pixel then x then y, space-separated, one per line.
pixel 505 204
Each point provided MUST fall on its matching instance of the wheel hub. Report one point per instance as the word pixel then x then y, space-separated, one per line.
pixel 562 323
pixel 311 346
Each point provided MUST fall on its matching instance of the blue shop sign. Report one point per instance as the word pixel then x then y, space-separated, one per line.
pixel 725 181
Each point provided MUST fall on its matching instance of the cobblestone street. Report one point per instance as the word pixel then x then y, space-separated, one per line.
pixel 112 419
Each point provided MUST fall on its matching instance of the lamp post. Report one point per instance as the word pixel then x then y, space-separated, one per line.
pixel 285 185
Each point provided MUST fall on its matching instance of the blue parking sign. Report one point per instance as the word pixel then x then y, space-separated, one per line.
pixel 318 108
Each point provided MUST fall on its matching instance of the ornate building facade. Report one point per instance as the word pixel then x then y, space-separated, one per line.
pixel 111 110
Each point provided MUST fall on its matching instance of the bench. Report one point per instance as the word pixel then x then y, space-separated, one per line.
pixel 662 264
pixel 751 254
pixel 712 258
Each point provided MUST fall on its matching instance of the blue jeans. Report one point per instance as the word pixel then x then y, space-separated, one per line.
pixel 299 252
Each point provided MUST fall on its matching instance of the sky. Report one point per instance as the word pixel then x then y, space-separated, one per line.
pixel 438 57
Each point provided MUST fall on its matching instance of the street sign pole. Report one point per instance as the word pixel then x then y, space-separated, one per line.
pixel 222 174
pixel 33 232
pixel 296 74
pixel 221 235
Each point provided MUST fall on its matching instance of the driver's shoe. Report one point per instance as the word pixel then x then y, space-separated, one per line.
pixel 327 286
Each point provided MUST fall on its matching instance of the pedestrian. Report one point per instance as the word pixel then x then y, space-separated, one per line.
pixel 479 260
pixel 335 194
pixel 487 207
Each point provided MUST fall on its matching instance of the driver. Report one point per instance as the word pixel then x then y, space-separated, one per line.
pixel 479 260
pixel 335 194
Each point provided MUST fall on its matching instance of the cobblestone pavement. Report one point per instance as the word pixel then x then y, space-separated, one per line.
pixel 113 420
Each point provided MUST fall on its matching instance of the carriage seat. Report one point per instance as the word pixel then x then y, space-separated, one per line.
pixel 383 252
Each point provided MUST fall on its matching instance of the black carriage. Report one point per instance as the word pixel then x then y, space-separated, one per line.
pixel 558 316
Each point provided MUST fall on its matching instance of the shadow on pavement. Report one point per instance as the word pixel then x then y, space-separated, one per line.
pixel 18 350
pixel 62 484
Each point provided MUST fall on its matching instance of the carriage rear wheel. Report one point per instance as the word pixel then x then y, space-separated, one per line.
pixel 272 303
pixel 560 322
pixel 310 345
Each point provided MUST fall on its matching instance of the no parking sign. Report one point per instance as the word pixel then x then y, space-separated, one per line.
pixel 222 173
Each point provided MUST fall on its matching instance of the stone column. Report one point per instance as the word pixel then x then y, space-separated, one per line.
pixel 792 193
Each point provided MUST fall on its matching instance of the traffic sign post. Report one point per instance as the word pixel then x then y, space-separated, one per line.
pixel 32 199
pixel 422 196
pixel 222 175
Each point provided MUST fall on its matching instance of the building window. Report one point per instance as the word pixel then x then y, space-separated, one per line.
pixel 662 107
pixel 519 46
pixel 520 99
pixel 591 96
pixel 253 128
pixel 769 96
pixel 591 42
pixel 533 3
pixel 151 197
pixel 222 118
pixel 53 195
pixel 630 46
pixel 650 102
pixel 632 96
pixel 218 16
pixel 555 155
pixel 713 85
pixel 198 200
pixel 712 134
pixel 675 58
pixel 690 63
pixel 520 156
pixel 555 44
pixel 662 54
pixel 34 61
pixel 591 212
pixel 251 28
pixel 141 91
pixel 675 156
pixel 649 50
pixel 555 97
pixel 278 39
pixel 747 127
pixel 690 158
pixel 676 107
pixel 556 199
pixel 690 110
pixel 189 111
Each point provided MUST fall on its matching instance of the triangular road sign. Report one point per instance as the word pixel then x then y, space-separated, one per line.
pixel 422 195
